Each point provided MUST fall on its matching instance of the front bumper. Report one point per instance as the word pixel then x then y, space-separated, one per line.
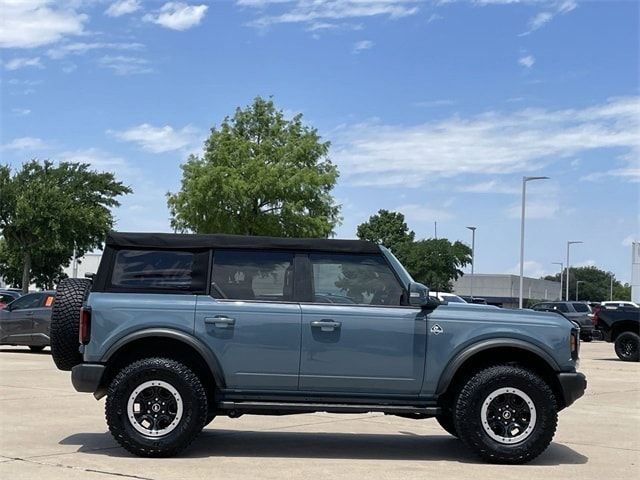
pixel 573 386
pixel 86 377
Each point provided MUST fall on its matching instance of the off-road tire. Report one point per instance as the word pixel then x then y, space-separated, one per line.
pixel 180 377
pixel 445 419
pixel 627 347
pixel 36 348
pixel 65 321
pixel 467 414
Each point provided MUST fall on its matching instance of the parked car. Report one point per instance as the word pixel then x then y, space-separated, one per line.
pixel 447 297
pixel 7 296
pixel 27 321
pixel 178 329
pixel 576 311
pixel 620 325
pixel 619 303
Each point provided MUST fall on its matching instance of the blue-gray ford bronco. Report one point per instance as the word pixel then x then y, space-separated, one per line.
pixel 178 329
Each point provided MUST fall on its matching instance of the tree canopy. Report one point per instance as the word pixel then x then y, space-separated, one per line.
pixel 386 228
pixel 47 211
pixel 596 286
pixel 260 174
pixel 434 262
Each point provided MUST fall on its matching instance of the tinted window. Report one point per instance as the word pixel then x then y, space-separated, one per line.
pixel 453 299
pixel 541 306
pixel 361 279
pixel 245 275
pixel 32 300
pixel 146 269
pixel 580 307
pixel 561 307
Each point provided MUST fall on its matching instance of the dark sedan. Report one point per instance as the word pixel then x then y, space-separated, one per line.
pixel 576 311
pixel 27 321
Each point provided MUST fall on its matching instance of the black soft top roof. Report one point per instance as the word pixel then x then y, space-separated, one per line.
pixel 179 241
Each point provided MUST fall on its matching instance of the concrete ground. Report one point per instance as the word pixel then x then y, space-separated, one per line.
pixel 47 430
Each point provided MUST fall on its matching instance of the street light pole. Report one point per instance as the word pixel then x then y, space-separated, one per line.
pixel 473 258
pixel 578 286
pixel 524 195
pixel 561 275
pixel 567 279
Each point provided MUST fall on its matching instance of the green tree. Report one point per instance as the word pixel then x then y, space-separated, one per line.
pixel 596 286
pixel 260 174
pixel 49 210
pixel 47 265
pixel 386 228
pixel 435 262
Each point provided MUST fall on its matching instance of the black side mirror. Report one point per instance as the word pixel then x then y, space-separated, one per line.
pixel 418 295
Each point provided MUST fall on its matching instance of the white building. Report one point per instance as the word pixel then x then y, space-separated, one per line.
pixel 504 289
pixel 87 264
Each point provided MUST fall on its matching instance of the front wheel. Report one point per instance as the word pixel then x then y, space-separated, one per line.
pixel 627 347
pixel 156 407
pixel 506 414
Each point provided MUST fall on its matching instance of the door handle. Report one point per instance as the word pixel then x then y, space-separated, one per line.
pixel 220 321
pixel 326 325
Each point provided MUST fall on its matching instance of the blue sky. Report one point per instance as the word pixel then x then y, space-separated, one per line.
pixel 434 108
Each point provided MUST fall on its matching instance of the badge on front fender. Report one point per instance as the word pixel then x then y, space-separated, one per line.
pixel 436 329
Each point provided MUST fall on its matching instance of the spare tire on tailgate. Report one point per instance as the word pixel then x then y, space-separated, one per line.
pixel 65 322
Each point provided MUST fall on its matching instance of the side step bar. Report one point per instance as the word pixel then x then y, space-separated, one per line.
pixel 246 407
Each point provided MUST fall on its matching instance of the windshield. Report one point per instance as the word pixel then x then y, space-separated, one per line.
pixel 397 266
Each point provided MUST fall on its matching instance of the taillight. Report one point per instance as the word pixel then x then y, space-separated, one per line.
pixel 574 343
pixel 84 332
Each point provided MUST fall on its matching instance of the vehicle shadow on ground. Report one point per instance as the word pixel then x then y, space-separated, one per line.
pixel 46 351
pixel 408 446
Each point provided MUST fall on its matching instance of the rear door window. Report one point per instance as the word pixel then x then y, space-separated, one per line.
pixel 31 300
pixel 581 307
pixel 561 307
pixel 157 270
pixel 252 275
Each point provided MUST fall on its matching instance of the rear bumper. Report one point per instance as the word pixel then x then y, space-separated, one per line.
pixel 86 377
pixel 573 386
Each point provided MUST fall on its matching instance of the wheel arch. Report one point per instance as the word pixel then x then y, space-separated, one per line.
pixel 498 351
pixel 624 326
pixel 163 342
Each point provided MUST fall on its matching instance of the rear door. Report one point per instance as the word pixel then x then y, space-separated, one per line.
pixel 16 322
pixel 356 334
pixel 251 320
pixel 41 326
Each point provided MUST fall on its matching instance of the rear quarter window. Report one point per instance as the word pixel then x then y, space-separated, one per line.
pixel 158 270
pixel 581 307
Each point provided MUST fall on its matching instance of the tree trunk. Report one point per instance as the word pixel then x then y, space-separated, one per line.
pixel 26 272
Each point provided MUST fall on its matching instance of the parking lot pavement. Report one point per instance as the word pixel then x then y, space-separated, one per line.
pixel 49 431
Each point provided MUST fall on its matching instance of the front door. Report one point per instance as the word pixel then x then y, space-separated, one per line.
pixel 356 334
pixel 251 320
pixel 16 319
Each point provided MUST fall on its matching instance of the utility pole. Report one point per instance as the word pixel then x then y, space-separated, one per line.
pixel 473 258
pixel 524 195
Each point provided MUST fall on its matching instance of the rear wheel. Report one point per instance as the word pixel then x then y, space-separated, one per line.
pixel 65 321
pixel 627 347
pixel 156 407
pixel 445 419
pixel 36 348
pixel 506 414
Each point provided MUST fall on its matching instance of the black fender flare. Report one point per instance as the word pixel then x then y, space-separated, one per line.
pixel 454 364
pixel 207 355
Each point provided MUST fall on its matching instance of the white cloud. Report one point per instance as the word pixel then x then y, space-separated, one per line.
pixel 585 263
pixel 159 139
pixel 79 48
pixel 305 11
pixel 33 23
pixel 527 61
pixel 531 269
pixel 25 143
pixel 177 15
pixel 98 159
pixel 490 186
pixel 415 213
pixel 125 65
pixel 362 45
pixel 23 62
pixel 20 112
pixel 542 18
pixel 122 7
pixel 492 143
